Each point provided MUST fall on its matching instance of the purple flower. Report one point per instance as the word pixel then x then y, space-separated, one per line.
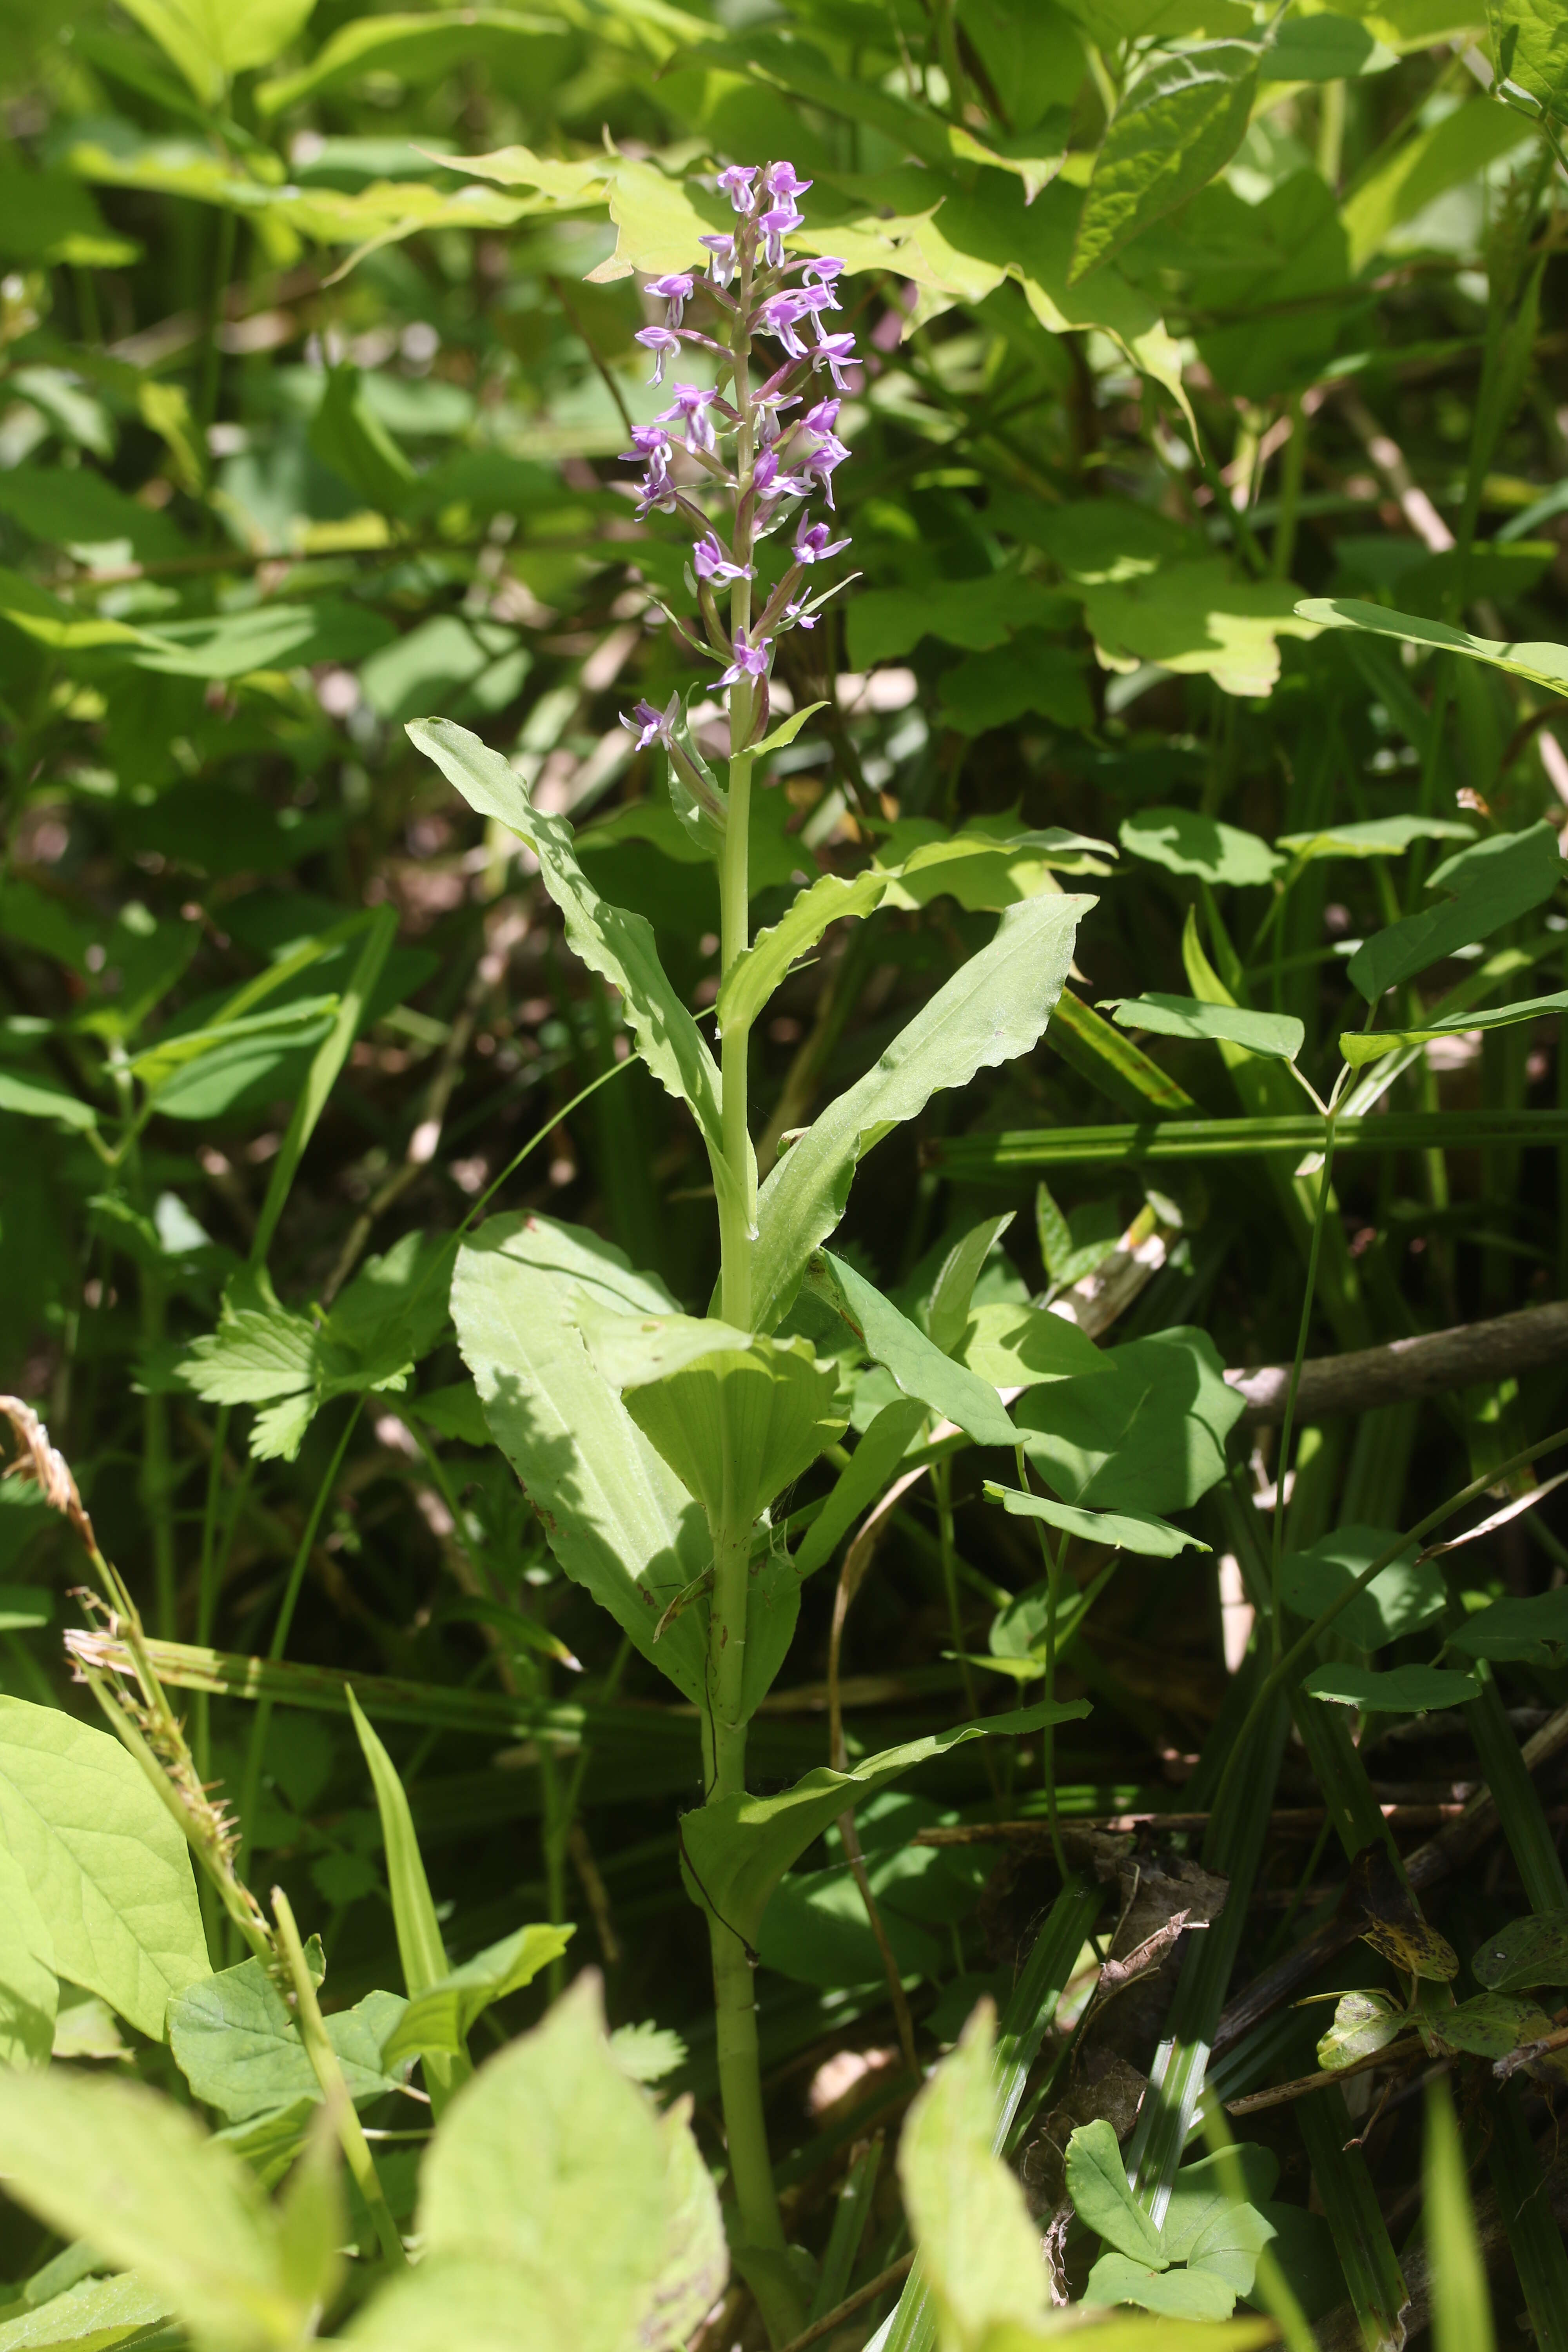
pixel 651 726
pixel 676 290
pixel 720 257
pixel 690 408
pixel 779 221
pixel 713 565
pixel 825 271
pixel 816 470
pixel 750 661
pixel 780 180
pixel 769 484
pixel 812 544
pixel 737 182
pixel 834 353
pixel 823 417
pixel 780 315
pixel 647 441
pixel 768 408
pixel 795 616
pixel 664 345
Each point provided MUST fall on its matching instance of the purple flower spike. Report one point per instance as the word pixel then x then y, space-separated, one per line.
pixel 779 221
pixel 834 353
pixel 812 544
pixel 676 290
pixel 750 661
pixel 713 565
pixel 738 181
pixel 689 409
pixel 651 726
pixel 664 345
pixel 780 180
pixel 720 257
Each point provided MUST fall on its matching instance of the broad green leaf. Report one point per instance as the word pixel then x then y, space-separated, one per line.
pixel 978 614
pixel 1358 1046
pixel 29 1994
pixel 1503 878
pixel 1329 47
pixel 1192 2294
pixel 953 1289
pixel 1197 619
pixel 740 1424
pixel 108 1869
pixel 1543 665
pixel 91 2316
pixel 647 2052
pixel 617 1518
pixel 1185 843
pixel 440 2015
pixel 1461 2299
pixel 786 731
pixel 618 946
pixel 992 1009
pixel 630 1351
pixel 1226 2251
pixel 1279 1036
pixel 1408 1593
pixel 112 2162
pixel 1376 836
pixel 230 644
pixel 550 2146
pixel 1146 1433
pixel 40 1097
pixel 1132 1532
pixel 916 1363
pixel 870 1468
pixel 979 2251
pixel 347 436
pixel 1530 47
pixel 986 867
pixel 1404 1690
pixel 694 2265
pixel 753 978
pixel 1200 2198
pixel 1097 2183
pixel 1534 1628
pixel 210 43
pixel 1019 1347
pixel 1532 1951
pixel 740 1847
pixel 1413 171
pixel 1364 2023
pixel 417 48
pixel 235 2042
pixel 1179 125
pixel 1488 2025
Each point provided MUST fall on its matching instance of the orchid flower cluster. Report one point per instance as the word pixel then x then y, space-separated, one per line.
pixel 764 458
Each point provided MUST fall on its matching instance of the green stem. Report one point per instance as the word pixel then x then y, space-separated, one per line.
pixel 1288 1419
pixel 329 2073
pixel 251 1787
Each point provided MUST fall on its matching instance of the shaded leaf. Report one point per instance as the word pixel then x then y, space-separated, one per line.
pixel 1186 843
pixel 1532 1951
pixel 1132 1532
pixel 1364 2023
pixel 1097 2183
pixel 1279 1036
pixel 236 2042
pixel 1405 1690
pixel 916 1362
pixel 1181 121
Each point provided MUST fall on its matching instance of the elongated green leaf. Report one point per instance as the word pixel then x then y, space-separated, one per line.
pixel 236 2042
pixel 107 1867
pixel 1376 836
pixel 1120 1070
pixel 91 2316
pixel 786 731
pixel 417 48
pixel 632 1350
pixel 329 1056
pixel 995 1008
pixel 1543 665
pixel 40 1097
pixel 1279 1036
pixel 870 1468
pixel 1349 2201
pixel 210 43
pixel 1176 127
pixel 738 1849
pixel 1123 1530
pixel 1494 882
pixel 953 1288
pixel 1404 1690
pixel 1097 2183
pixel 114 2162
pixel 420 1949
pixel 1536 1628
pixel 29 1995
pixel 1461 2300
pixel 917 1363
pixel 979 2250
pixel 440 2016
pixel 618 946
pixel 617 1517
pixel 753 978
pixel 347 436
pixel 1357 1046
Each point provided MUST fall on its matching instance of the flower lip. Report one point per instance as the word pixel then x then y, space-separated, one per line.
pixel 663 343
pixel 739 182
pixel 812 544
pixel 690 408
pixel 650 725
pixel 834 353
pixel 676 290
pixel 749 660
pixel 715 564
pixel 782 180
pixel 720 257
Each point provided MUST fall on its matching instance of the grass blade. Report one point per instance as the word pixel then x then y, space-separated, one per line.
pixel 973 1157
pixel 1461 2305
pixel 1373 2275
